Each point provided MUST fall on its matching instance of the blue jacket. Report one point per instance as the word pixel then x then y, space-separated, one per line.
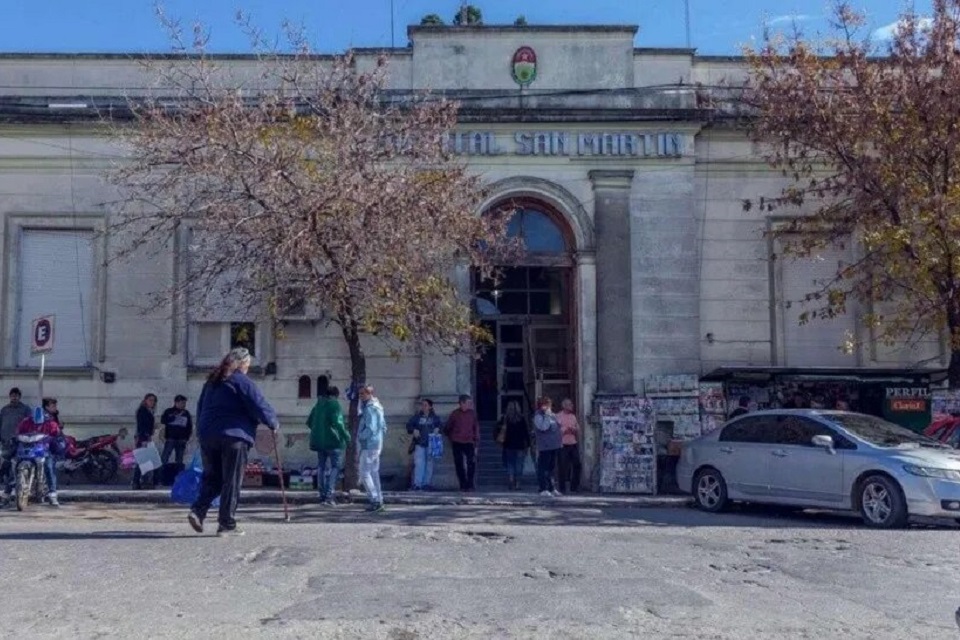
pixel 373 426
pixel 233 408
pixel 426 424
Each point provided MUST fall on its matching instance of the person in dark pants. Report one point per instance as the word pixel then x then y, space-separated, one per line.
pixel 463 429
pixel 146 426
pixel 570 452
pixel 329 437
pixel 228 412
pixel 548 446
pixel 514 435
pixel 177 430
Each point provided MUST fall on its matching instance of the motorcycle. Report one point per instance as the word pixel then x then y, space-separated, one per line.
pixel 32 452
pixel 97 457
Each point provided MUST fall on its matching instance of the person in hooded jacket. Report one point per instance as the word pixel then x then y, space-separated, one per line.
pixel 228 412
pixel 370 435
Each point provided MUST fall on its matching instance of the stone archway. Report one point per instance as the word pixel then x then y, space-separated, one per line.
pixel 552 195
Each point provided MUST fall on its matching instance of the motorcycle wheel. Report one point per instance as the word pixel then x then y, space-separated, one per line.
pixel 102 468
pixel 24 484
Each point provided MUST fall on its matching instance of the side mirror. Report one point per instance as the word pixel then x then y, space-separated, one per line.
pixel 823 442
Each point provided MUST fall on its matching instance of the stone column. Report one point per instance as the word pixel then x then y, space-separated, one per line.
pixel 615 348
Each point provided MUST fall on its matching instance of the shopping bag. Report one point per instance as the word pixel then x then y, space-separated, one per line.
pixel 435 445
pixel 127 461
pixel 186 487
pixel 148 458
pixel 529 464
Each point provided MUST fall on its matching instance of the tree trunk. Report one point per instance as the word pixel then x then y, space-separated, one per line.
pixel 358 378
pixel 953 371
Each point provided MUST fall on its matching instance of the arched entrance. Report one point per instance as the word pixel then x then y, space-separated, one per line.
pixel 530 310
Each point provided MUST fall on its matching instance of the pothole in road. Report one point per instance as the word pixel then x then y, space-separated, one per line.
pixel 818 544
pixel 549 574
pixel 486 536
pixel 440 535
pixel 742 568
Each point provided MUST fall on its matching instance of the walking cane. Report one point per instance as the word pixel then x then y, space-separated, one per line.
pixel 283 491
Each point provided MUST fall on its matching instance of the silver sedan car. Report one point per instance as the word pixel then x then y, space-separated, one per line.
pixel 824 459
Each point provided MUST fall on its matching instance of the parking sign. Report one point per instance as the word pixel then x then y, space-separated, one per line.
pixel 41 338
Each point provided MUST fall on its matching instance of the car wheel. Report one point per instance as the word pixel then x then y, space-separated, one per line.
pixel 710 491
pixel 882 504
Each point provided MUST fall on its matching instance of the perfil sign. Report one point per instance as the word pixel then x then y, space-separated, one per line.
pixel 908 406
pixel 41 335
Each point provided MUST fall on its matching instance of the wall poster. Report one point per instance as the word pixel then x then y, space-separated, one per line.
pixel 628 459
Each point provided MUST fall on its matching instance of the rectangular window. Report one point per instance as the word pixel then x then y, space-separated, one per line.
pixel 210 341
pixel 817 342
pixel 56 276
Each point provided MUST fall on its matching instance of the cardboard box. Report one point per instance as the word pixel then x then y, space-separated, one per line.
pixel 300 483
pixel 253 476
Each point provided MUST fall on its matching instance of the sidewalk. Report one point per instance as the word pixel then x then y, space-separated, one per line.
pixel 119 494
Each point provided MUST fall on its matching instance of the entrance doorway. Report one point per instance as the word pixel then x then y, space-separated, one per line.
pixel 529 311
pixel 529 358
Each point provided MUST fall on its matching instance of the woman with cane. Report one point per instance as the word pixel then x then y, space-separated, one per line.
pixel 228 412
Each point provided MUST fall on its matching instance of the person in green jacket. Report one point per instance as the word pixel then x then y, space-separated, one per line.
pixel 329 437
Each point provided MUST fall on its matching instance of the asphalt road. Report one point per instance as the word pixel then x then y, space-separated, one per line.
pixel 101 571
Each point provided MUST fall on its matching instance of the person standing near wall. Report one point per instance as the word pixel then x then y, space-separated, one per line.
pixel 549 442
pixel 421 426
pixel 228 412
pixel 570 452
pixel 146 427
pixel 11 415
pixel 514 436
pixel 329 438
pixel 372 429
pixel 177 430
pixel 463 429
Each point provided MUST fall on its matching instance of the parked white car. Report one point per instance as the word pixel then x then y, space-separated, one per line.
pixel 824 459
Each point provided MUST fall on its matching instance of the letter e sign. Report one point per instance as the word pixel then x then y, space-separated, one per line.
pixel 41 337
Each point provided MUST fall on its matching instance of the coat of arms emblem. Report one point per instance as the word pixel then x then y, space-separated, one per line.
pixel 524 66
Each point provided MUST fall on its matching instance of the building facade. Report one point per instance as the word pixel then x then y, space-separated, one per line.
pixel 629 189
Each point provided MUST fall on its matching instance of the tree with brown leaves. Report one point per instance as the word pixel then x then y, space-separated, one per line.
pixel 869 136
pixel 307 182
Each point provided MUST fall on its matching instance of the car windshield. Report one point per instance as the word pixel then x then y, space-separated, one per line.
pixel 879 432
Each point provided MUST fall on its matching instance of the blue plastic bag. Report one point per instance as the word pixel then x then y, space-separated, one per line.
pixel 186 486
pixel 435 445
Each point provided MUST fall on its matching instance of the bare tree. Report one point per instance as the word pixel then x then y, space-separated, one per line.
pixel 308 182
pixel 872 149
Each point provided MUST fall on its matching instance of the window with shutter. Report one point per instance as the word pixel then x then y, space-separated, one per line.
pixel 57 277
pixel 817 342
pixel 219 318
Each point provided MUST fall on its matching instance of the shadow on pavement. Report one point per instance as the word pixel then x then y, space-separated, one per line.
pixel 39 536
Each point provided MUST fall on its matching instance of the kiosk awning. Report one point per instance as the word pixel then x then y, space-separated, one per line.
pixel 852 374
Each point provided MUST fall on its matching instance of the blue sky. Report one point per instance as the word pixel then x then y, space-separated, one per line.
pixel 717 26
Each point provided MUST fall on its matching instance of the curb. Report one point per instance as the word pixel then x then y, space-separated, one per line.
pixel 300 498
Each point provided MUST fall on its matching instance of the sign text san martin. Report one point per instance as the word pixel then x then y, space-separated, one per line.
pixel 566 143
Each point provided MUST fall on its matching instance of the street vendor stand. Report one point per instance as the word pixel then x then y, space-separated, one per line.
pixel 902 396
